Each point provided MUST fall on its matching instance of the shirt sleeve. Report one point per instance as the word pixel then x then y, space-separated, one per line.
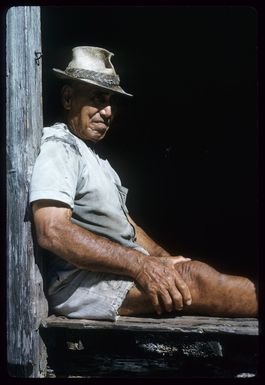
pixel 55 173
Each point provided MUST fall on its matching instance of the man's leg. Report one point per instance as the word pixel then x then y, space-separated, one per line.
pixel 213 294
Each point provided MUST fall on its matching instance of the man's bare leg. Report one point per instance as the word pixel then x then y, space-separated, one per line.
pixel 213 294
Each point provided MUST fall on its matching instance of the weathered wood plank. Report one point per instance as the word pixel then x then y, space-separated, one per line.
pixel 184 324
pixel 125 353
pixel 26 304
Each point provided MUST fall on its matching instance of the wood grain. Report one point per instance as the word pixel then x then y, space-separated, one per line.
pixel 26 304
pixel 185 324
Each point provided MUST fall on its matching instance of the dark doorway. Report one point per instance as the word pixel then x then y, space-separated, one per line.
pixel 186 144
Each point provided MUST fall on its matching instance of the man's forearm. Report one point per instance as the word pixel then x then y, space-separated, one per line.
pixel 89 251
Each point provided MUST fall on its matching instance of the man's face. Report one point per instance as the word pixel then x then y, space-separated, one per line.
pixel 90 111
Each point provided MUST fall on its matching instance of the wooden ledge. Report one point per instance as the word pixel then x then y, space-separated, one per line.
pixel 179 324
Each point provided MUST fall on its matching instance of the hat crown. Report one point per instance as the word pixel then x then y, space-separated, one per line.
pixel 92 65
pixel 92 59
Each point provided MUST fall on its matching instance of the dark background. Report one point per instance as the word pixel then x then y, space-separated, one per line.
pixel 186 145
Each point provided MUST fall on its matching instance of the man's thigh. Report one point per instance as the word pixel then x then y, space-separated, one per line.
pixel 136 302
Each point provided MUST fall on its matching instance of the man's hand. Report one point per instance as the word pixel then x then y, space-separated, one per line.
pixel 173 259
pixel 163 284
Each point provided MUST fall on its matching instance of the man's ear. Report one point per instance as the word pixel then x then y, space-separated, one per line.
pixel 67 93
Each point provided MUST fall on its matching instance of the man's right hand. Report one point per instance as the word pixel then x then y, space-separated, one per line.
pixel 163 284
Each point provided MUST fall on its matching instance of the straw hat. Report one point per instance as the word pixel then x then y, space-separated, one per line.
pixel 92 65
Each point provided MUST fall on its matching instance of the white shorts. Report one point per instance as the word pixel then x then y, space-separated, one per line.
pixel 91 295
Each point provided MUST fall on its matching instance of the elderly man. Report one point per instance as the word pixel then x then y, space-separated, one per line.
pixel 100 263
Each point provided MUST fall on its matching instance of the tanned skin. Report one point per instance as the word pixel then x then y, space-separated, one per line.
pixel 164 283
pixel 161 279
pixel 86 250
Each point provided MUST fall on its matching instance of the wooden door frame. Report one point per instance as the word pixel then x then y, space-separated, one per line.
pixel 26 303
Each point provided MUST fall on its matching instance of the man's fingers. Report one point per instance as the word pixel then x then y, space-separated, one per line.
pixel 170 301
pixel 167 301
pixel 177 299
pixel 183 289
pixel 156 304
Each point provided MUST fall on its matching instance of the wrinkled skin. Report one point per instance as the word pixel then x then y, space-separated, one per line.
pixel 86 250
pixel 213 293
pixel 163 283
pixel 88 110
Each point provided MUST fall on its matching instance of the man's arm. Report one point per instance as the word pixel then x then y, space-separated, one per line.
pixel 86 250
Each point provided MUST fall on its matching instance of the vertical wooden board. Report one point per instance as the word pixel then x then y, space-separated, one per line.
pixel 26 303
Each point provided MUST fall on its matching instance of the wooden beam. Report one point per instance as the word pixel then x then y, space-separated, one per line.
pixel 26 304
pixel 180 324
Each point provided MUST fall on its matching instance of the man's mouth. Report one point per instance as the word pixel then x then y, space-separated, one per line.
pixel 101 123
pixel 100 127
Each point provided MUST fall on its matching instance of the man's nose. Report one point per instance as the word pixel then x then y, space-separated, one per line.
pixel 106 111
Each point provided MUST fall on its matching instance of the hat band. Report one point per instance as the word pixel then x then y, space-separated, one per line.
pixel 105 79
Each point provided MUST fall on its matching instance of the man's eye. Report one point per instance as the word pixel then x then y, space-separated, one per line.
pixel 97 99
pixel 100 98
pixel 104 100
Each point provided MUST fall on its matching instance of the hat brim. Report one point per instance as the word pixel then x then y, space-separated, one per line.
pixel 63 75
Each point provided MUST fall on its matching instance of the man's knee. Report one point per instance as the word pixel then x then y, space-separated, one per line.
pixel 198 275
pixel 196 270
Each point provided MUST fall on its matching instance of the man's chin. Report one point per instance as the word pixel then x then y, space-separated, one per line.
pixel 97 137
pixel 94 135
pixel 99 133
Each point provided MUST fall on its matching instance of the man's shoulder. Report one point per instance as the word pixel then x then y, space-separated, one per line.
pixel 58 130
pixel 59 133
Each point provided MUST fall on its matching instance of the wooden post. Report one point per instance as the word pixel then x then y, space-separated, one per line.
pixel 26 304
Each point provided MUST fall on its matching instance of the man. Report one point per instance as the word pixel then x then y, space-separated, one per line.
pixel 101 264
